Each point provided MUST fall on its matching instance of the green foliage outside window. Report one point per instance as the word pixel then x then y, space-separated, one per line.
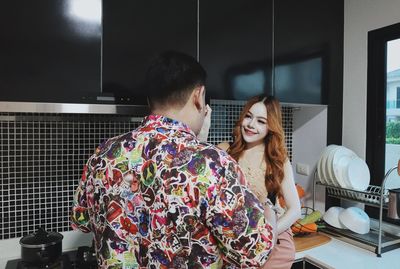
pixel 393 132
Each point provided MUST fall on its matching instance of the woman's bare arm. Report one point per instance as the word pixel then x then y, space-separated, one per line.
pixel 289 191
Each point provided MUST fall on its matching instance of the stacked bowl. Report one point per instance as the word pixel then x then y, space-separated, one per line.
pixel 341 167
pixel 352 218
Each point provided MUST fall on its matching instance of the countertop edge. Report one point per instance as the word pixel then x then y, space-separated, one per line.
pixel 338 254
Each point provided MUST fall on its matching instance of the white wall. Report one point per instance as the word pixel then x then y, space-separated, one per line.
pixel 309 139
pixel 360 16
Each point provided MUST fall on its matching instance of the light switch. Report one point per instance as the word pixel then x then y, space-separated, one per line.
pixel 302 169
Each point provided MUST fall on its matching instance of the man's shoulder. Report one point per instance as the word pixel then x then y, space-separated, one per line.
pixel 206 148
pixel 110 144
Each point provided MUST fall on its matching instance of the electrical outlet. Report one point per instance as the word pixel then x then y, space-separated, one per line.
pixel 302 169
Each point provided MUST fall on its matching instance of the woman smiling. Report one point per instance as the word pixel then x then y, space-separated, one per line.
pixel 259 147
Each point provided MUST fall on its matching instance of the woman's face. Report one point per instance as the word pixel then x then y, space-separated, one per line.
pixel 254 125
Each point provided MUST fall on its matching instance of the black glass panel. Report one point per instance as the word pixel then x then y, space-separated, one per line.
pixel 235 47
pixel 300 78
pixel 308 50
pixel 135 31
pixel 49 50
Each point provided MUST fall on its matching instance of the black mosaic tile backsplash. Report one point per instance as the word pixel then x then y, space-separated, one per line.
pixel 42 155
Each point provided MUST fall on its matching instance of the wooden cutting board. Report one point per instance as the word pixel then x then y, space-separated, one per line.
pixel 310 241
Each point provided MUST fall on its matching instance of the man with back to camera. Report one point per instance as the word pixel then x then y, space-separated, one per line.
pixel 157 197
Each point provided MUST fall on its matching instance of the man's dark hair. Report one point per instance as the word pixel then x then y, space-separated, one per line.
pixel 171 77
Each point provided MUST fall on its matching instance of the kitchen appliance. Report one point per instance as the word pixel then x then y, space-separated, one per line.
pixel 394 204
pixel 86 258
pixel 44 250
pixel 62 262
pixel 82 258
pixel 394 198
pixel 41 248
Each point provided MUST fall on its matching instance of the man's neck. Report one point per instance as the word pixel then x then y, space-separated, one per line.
pixel 176 114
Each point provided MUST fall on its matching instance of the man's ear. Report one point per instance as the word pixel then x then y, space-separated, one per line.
pixel 199 98
pixel 148 102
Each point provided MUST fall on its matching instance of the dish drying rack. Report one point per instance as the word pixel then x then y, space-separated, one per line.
pixel 376 240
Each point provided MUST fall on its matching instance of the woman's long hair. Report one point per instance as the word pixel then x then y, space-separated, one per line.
pixel 275 153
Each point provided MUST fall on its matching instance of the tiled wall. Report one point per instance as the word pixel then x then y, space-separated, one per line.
pixel 42 155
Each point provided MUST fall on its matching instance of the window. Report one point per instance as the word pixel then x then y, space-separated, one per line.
pixel 383 102
pixel 398 98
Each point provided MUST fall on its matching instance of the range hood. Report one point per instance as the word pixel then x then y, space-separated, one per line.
pixel 71 108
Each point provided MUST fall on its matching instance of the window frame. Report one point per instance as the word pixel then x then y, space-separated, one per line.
pixel 376 99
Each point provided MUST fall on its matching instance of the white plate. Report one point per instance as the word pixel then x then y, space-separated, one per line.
pixel 321 164
pixel 357 174
pixel 321 177
pixel 341 158
pixel 342 170
pixel 330 176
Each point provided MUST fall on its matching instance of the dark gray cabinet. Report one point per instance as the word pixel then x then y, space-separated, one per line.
pixel 308 49
pixel 66 51
pixel 235 47
pixel 291 49
pixel 49 51
pixel 52 52
pixel 134 32
pixel 308 41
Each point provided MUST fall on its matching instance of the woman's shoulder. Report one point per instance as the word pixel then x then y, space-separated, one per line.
pixel 287 162
pixel 224 145
pixel 288 170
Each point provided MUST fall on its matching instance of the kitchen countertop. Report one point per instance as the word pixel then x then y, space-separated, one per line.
pixel 341 255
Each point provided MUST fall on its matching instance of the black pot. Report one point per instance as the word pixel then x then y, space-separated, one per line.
pixel 41 247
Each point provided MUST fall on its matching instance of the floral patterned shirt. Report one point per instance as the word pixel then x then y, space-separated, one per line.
pixel 156 197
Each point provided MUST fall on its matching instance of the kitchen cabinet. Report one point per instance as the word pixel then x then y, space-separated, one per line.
pixel 49 51
pixel 308 39
pixel 235 47
pixel 88 52
pixel 308 49
pixel 297 265
pixel 53 52
pixel 134 32
pixel 305 264
pixel 292 49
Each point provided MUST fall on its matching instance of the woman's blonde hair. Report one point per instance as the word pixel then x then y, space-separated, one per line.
pixel 275 153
